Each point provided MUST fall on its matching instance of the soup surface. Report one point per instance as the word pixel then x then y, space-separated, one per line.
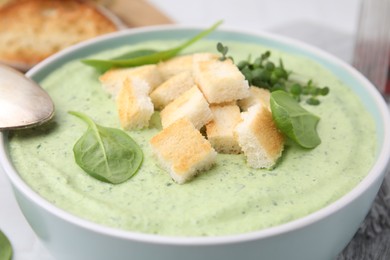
pixel 230 198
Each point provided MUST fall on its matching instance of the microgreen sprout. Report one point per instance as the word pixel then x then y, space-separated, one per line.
pixel 264 73
pixel 309 90
pixel 223 50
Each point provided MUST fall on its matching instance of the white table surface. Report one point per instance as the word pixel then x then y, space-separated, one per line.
pixel 329 24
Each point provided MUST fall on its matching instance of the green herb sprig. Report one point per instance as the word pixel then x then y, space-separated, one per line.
pixel 310 90
pixel 223 50
pixel 143 57
pixel 264 73
pixel 107 154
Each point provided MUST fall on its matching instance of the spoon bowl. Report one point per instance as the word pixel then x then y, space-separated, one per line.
pixel 23 103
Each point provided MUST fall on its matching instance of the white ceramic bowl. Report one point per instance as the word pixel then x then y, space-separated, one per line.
pixel 320 235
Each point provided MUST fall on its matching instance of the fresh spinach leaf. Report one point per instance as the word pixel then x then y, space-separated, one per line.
pixel 107 154
pixel 135 54
pixel 293 120
pixel 143 57
pixel 5 247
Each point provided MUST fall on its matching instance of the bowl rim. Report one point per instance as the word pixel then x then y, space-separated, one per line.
pixel 375 173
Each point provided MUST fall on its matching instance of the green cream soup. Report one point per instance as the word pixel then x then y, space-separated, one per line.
pixel 230 198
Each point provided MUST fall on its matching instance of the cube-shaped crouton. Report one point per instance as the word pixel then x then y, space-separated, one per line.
pixel 257 96
pixel 259 138
pixel 220 81
pixel 174 66
pixel 182 150
pixel 171 89
pixel 113 79
pixel 191 105
pixel 221 130
pixel 179 64
pixel 135 107
pixel 204 56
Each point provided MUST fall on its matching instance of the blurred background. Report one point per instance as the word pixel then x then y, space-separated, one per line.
pixel 330 24
pixel 27 27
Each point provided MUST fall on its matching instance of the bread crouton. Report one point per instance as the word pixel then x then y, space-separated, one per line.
pixel 182 150
pixel 203 56
pixel 221 130
pixel 171 89
pixel 135 107
pixel 178 64
pixel 259 138
pixel 112 80
pixel 174 66
pixel 220 81
pixel 257 96
pixel 192 105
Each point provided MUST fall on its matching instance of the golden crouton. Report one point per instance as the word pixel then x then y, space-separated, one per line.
pixel 175 66
pixel 192 105
pixel 135 107
pixel 259 138
pixel 203 56
pixel 257 96
pixel 112 80
pixel 171 89
pixel 221 130
pixel 220 81
pixel 182 150
pixel 179 64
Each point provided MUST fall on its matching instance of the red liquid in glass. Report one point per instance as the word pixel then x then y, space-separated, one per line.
pixel 387 87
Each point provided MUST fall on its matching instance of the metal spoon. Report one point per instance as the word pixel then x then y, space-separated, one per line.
pixel 23 103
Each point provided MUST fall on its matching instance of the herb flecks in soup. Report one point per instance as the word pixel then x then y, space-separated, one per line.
pixel 229 198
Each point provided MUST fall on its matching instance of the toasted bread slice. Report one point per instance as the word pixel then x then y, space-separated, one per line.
pixel 182 150
pixel 259 138
pixel 257 96
pixel 31 30
pixel 113 79
pixel 191 105
pixel 220 81
pixel 171 89
pixel 135 108
pixel 221 130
